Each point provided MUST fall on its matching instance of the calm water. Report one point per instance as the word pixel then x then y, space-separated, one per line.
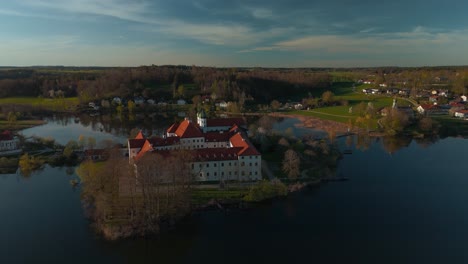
pixel 404 207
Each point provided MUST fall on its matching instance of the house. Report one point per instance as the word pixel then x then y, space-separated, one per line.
pixel 223 104
pixel 433 98
pixel 150 101
pixel 116 100
pixel 220 148
pixel 181 102
pixel 461 113
pixel 298 106
pixel 139 100
pixel 393 91
pixel 9 144
pixel 463 97
pixel 432 109
pixel 375 91
pixel 96 154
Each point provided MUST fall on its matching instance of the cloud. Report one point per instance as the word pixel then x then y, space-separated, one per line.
pixel 368 30
pixel 419 39
pixel 134 11
pixel 261 13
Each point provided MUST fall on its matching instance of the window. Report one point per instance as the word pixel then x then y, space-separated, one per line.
pixel 207 174
pixel 242 164
pixel 222 164
pixel 250 173
pixel 214 165
pixel 256 163
pixel 215 174
pixel 229 163
pixel 250 164
pixel 193 166
pixel 230 174
pixel 222 173
pixel 199 165
pixel 256 172
pixel 243 173
pixel 207 165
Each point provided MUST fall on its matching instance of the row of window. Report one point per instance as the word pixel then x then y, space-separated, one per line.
pixel 252 157
pixel 222 164
pixel 230 174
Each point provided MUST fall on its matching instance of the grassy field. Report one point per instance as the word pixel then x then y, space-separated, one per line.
pixel 354 96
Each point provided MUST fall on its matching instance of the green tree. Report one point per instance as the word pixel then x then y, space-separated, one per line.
pixel 130 106
pixel 12 117
pixel 71 146
pixel 119 109
pixel 181 91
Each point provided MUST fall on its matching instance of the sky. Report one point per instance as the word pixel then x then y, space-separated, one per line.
pixel 234 33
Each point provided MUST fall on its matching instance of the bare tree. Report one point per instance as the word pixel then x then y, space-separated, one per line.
pixel 291 164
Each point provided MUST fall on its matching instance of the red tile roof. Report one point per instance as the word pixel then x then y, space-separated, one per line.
pixel 188 129
pixel 96 152
pixel 429 106
pixel 227 122
pixel 146 148
pixel 158 142
pixel 136 143
pixel 140 135
pixel 248 149
pixel 463 111
pixel 6 135
pixel 173 128
pixel 217 137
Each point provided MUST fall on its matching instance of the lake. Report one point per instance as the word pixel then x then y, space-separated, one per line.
pixel 403 204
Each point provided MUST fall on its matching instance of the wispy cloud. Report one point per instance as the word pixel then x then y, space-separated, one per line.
pixel 261 13
pixel 368 30
pixel 126 10
pixel 416 40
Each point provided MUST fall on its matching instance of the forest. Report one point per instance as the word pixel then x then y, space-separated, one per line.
pixel 165 83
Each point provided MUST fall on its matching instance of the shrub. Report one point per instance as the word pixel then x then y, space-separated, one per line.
pixel 266 190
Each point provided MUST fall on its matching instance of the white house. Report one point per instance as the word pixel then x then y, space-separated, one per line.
pixel 139 100
pixel 116 100
pixel 181 102
pixel 461 113
pixel 9 144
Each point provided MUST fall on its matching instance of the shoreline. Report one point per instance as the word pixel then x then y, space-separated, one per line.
pixel 22 124
pixel 317 123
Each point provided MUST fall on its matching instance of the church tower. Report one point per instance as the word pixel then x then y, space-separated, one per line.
pixel 201 119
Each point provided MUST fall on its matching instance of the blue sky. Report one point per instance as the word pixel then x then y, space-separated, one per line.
pixel 292 33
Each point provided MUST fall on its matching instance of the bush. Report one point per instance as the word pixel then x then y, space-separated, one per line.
pixel 266 190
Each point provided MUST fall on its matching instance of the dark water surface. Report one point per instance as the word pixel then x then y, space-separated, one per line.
pixel 405 207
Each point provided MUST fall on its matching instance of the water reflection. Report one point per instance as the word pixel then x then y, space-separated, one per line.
pixel 64 128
